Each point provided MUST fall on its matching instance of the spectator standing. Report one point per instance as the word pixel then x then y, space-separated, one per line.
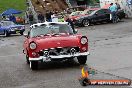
pixel 54 17
pixel 118 6
pixel 40 17
pixel 48 16
pixel 67 19
pixel 113 9
pixel 31 18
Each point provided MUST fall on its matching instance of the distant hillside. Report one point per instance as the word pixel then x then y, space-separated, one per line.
pixel 16 4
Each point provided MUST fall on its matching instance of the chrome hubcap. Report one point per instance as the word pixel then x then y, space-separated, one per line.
pixel 86 23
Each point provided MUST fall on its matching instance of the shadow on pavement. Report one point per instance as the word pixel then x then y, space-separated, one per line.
pixel 58 65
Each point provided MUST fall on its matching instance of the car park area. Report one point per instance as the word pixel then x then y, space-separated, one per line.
pixel 66 44
pixel 110 52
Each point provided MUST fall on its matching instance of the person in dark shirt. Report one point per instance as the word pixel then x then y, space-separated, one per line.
pixel 31 18
pixel 48 16
pixel 40 17
pixel 67 19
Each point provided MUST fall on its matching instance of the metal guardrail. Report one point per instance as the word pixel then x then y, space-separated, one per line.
pixel 31 7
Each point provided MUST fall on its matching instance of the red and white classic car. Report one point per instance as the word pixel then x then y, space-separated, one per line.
pixel 54 41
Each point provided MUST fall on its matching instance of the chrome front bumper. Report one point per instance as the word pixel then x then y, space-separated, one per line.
pixel 58 57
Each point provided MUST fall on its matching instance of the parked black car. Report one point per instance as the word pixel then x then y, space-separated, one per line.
pixel 99 15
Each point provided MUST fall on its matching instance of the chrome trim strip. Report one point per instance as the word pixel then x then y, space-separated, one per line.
pixel 58 57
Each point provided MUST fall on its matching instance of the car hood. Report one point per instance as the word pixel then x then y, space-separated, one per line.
pixel 56 41
pixel 79 16
pixel 73 17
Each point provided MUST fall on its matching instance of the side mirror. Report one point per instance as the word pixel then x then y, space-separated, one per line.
pixel 25 35
pixel 96 13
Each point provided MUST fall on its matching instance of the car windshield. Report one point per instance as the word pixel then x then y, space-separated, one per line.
pixel 87 12
pixel 75 13
pixel 51 29
pixel 93 12
pixel 7 23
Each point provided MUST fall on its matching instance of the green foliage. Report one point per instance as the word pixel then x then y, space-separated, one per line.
pixel 16 4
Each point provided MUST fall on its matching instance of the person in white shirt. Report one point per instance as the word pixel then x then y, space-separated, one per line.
pixel 54 17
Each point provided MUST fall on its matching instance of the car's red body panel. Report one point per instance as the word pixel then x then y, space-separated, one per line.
pixel 54 41
pixel 46 42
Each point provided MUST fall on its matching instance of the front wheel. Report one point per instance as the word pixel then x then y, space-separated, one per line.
pixel 116 19
pixel 85 22
pixel 82 59
pixel 34 65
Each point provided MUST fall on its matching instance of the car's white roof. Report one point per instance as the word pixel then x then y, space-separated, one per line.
pixel 38 24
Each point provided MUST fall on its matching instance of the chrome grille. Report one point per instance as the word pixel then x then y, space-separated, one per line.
pixel 59 51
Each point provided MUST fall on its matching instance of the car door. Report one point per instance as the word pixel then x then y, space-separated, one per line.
pixel 107 14
pixel 94 18
pixel 1 29
pixel 100 15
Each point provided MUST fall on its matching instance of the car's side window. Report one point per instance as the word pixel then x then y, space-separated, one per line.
pixel 100 12
pixel 106 11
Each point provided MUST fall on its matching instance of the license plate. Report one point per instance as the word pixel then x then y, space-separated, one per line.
pixel 46 59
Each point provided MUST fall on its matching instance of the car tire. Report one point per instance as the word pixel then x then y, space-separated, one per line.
pixel 85 22
pixel 34 65
pixel 82 59
pixel 118 19
pixel 27 59
pixel 21 33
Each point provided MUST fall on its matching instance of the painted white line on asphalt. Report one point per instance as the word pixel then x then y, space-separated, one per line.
pixel 12 55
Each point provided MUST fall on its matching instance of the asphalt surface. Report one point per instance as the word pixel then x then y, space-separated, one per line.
pixel 110 48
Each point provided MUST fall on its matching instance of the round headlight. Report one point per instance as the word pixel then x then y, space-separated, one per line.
pixel 33 45
pixel 84 40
